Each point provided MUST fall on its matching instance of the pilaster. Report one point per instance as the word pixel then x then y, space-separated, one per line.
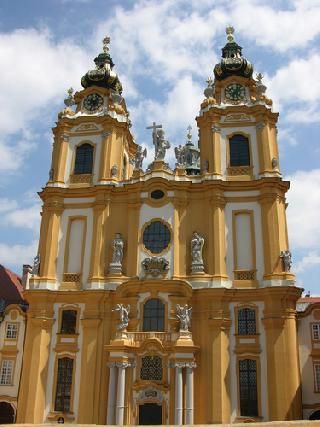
pixel 61 160
pixel 49 238
pixel 88 369
pixel 133 238
pixel 217 249
pixel 104 173
pixel 179 237
pixel 284 393
pixel 35 369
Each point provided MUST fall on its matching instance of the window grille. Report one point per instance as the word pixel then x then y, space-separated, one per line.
pixel 68 321
pixel 12 331
pixel 246 321
pixel 84 159
pixel 151 368
pixel 239 151
pixel 64 384
pixel 316 331
pixel 248 387
pixel 316 368
pixel 6 372
pixel 156 237
pixel 153 315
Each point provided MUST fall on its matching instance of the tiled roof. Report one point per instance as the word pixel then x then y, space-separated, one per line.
pixel 11 289
pixel 304 302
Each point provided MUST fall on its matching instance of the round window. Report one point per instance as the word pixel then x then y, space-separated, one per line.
pixel 157 194
pixel 156 237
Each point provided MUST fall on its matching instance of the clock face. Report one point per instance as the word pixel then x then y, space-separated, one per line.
pixel 235 92
pixel 93 102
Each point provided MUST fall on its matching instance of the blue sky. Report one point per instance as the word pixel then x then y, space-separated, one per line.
pixel 164 50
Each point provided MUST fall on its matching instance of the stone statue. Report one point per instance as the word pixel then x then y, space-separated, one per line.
pixel 117 254
pixel 139 156
pixel 180 153
pixel 114 170
pixel 197 242
pixel 123 316
pixel 287 260
pixel 36 265
pixel 161 145
pixel 184 315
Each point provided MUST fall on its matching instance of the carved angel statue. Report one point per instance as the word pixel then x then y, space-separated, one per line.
pixel 139 156
pixel 184 315
pixel 123 316
pixel 287 260
pixel 161 145
pixel 180 153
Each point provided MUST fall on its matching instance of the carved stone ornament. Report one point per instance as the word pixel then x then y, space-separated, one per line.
pixel 197 242
pixel 286 260
pixel 36 266
pixel 184 313
pixel 150 394
pixel 123 365
pixel 190 365
pixel 155 266
pixel 117 254
pixel 114 171
pixel 123 316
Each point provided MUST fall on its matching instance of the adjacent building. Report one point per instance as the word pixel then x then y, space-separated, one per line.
pixel 12 331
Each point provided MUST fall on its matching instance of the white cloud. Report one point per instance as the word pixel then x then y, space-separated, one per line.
pixel 308 261
pixel 307 114
pixel 35 71
pixel 13 215
pixel 7 205
pixel 16 255
pixel 303 210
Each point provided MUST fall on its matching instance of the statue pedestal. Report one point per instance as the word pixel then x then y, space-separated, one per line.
pixel 184 338
pixel 159 165
pixel 137 173
pixel 120 339
pixel 180 170
pixel 197 268
pixel 115 269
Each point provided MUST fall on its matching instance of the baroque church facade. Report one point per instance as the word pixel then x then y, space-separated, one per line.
pixel 160 295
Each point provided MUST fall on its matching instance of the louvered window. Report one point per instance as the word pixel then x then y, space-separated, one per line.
pixel 239 151
pixel 84 159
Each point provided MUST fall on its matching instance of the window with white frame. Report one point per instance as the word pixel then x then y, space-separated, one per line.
pixel 12 331
pixel 316 369
pixel 316 331
pixel 6 372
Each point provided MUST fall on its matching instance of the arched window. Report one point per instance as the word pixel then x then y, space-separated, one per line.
pixel 84 159
pixel 248 387
pixel 153 315
pixel 68 322
pixel 64 385
pixel 239 151
pixel 246 321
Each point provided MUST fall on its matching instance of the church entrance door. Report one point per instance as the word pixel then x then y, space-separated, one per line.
pixel 150 414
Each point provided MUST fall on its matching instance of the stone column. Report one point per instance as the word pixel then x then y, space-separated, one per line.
pixel 178 396
pixel 111 394
pixel 189 393
pixel 121 391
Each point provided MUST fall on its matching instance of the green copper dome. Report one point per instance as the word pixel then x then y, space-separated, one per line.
pixel 232 62
pixel 103 75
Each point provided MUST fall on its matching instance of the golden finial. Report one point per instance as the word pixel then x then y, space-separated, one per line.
pixel 106 42
pixel 230 32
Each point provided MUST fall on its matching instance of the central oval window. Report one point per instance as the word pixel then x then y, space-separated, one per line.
pixel 156 237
